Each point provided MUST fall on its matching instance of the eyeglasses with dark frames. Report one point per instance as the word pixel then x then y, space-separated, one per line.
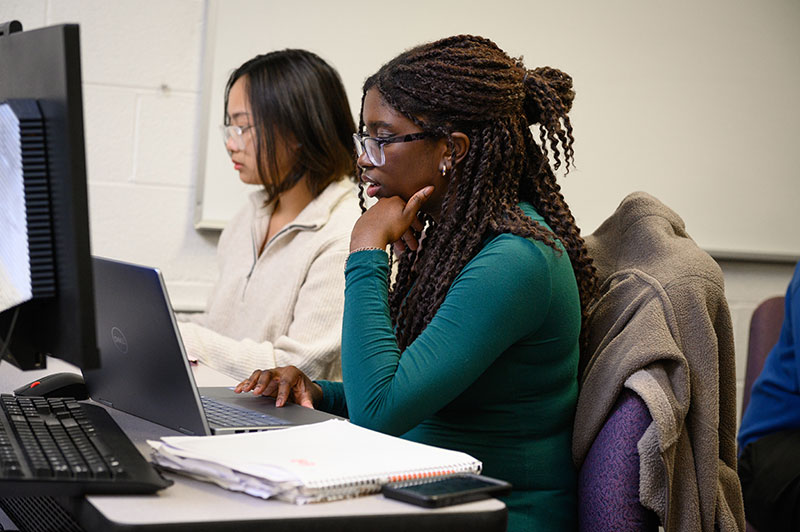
pixel 373 146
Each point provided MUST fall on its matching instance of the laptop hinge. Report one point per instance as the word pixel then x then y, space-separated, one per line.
pixel 106 403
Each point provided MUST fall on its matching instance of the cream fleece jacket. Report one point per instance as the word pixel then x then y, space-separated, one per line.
pixel 285 306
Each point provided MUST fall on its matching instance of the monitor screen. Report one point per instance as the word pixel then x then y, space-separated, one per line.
pixel 44 66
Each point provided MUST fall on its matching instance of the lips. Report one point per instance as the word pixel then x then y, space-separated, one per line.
pixel 373 187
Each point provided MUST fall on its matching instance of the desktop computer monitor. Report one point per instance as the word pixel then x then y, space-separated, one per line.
pixel 43 67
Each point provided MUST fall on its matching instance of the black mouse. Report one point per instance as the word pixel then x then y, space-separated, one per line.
pixel 64 384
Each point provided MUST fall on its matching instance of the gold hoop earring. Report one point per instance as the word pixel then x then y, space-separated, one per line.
pixel 444 170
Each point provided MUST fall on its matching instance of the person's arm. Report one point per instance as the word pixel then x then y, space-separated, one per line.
pixel 312 342
pixel 226 247
pixel 499 297
pixel 333 400
pixel 198 318
pixel 793 318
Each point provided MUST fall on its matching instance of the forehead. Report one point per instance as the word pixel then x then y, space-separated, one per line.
pixel 238 100
pixel 377 113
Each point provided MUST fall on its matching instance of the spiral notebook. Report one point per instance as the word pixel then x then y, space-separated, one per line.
pixel 323 461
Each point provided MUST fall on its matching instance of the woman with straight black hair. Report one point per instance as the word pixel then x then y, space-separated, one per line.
pixel 278 300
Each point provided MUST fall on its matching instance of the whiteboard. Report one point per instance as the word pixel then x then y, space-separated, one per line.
pixel 693 102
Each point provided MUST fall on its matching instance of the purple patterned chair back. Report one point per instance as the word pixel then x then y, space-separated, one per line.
pixel 608 482
pixel 765 327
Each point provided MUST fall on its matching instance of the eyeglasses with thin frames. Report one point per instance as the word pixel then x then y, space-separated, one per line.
pixel 373 146
pixel 234 132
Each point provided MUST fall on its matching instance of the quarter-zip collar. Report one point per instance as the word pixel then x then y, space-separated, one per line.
pixel 314 216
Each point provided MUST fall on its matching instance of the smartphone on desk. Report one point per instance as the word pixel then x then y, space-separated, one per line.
pixel 445 491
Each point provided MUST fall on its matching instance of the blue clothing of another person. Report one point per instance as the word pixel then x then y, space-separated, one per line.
pixel 769 438
pixel 775 400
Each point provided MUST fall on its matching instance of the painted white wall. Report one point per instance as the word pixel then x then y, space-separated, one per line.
pixel 142 64
pixel 664 94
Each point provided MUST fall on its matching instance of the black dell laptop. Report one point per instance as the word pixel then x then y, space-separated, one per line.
pixel 145 371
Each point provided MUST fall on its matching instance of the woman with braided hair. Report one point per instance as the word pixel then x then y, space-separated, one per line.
pixel 474 346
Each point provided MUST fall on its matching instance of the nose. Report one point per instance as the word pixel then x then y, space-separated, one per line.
pixel 363 160
pixel 231 145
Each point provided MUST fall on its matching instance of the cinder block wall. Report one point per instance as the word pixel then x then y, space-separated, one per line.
pixel 141 63
pixel 142 77
pixel 746 285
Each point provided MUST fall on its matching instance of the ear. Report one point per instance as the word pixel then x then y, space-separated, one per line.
pixel 460 147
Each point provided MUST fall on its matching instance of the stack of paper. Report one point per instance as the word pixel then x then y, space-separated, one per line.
pixel 324 461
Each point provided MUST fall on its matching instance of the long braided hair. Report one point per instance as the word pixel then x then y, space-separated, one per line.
pixel 468 84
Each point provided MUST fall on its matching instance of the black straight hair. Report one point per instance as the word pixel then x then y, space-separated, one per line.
pixel 295 95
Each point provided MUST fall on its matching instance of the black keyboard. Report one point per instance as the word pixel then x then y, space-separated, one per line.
pixel 221 414
pixel 58 446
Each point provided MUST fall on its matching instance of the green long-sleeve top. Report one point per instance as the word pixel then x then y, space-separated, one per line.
pixel 494 374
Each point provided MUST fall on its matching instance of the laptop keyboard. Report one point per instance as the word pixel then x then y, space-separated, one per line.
pixel 226 415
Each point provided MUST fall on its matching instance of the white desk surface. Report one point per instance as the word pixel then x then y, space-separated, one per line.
pixel 192 502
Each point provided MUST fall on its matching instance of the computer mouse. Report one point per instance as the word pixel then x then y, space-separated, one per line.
pixel 63 384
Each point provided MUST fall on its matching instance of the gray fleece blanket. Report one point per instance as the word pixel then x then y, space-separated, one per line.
pixel 661 327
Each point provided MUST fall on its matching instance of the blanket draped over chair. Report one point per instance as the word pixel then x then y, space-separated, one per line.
pixel 661 327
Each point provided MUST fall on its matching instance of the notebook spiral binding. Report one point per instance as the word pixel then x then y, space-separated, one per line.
pixel 343 488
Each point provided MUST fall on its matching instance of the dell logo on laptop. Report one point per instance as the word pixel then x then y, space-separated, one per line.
pixel 120 342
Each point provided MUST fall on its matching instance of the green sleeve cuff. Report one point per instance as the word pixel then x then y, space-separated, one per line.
pixel 333 400
pixel 366 256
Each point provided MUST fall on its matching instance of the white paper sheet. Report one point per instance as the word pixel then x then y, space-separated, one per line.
pixel 328 460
